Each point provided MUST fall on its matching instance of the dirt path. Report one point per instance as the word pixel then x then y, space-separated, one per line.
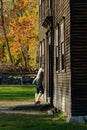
pixel 12 103
pixel 6 107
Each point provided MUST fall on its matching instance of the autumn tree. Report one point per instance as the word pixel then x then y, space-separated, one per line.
pixel 4 22
pixel 22 32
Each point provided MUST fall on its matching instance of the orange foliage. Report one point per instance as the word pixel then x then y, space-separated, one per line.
pixel 23 28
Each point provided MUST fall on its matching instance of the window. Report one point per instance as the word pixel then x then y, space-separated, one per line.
pixel 49 40
pixel 62 45
pixel 63 66
pixel 40 53
pixel 57 48
pixel 40 49
pixel 62 32
pixel 43 10
pixel 42 44
pixel 39 2
pixel 56 35
pixel 57 58
pixel 49 4
pixel 43 50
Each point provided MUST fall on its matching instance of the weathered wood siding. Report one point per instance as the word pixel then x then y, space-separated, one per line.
pixel 79 56
pixel 43 29
pixel 42 36
pixel 62 80
pixel 69 90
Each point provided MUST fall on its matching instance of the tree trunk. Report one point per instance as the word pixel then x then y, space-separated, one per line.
pixel 4 32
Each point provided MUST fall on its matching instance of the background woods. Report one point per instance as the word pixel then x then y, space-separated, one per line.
pixel 19 33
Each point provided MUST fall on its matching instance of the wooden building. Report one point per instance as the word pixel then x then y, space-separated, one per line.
pixel 63 50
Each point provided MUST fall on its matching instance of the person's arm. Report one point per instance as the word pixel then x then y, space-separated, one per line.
pixel 34 81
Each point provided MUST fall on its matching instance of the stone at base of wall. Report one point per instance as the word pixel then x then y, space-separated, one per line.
pixel 78 119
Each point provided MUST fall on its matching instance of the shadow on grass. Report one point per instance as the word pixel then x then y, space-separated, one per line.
pixel 36 122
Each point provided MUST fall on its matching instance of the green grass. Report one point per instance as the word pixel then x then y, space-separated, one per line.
pixel 30 122
pixel 36 122
pixel 17 92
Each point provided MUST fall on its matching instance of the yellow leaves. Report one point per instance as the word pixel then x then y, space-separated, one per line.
pixel 23 31
pixel 14 47
pixel 21 19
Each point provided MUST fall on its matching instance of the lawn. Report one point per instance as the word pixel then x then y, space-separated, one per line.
pixel 17 92
pixel 25 93
pixel 36 122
